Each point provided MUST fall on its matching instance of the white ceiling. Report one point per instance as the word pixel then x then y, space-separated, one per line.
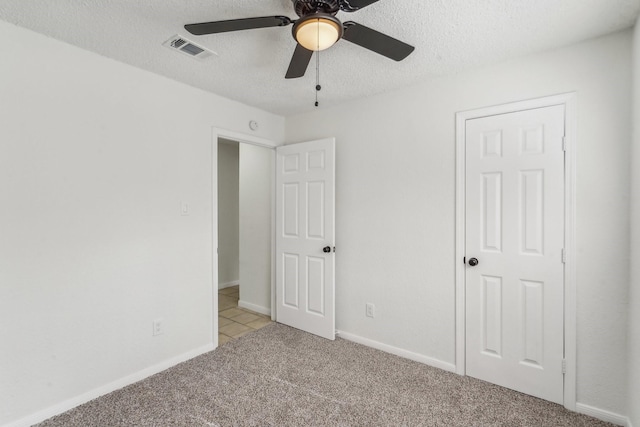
pixel 449 36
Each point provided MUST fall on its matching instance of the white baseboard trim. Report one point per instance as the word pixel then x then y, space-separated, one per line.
pixel 436 363
pixel 253 307
pixel 228 284
pixel 107 388
pixel 603 415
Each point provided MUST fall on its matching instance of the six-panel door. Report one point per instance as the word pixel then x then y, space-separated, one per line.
pixel 515 229
pixel 305 212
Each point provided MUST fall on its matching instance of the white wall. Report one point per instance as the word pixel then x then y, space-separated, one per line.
pixel 395 206
pixel 256 175
pixel 228 213
pixel 634 297
pixel 95 160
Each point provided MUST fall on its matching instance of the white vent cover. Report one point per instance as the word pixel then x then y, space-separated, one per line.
pixel 181 44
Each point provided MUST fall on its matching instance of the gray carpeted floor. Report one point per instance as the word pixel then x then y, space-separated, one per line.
pixel 279 376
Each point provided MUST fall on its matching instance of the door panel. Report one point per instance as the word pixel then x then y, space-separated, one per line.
pixel 305 212
pixel 290 217
pixel 492 315
pixel 491 200
pixel 290 279
pixel 515 228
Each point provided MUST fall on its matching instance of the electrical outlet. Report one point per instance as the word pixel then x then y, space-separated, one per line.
pixel 371 310
pixel 184 208
pixel 158 327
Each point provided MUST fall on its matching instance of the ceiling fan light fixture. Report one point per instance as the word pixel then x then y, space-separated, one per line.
pixel 317 32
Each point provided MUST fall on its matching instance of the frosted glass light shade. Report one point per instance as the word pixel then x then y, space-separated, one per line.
pixel 318 33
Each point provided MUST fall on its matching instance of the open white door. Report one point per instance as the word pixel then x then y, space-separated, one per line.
pixel 305 232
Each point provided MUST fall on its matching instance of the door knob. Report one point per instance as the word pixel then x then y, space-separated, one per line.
pixel 473 262
pixel 326 249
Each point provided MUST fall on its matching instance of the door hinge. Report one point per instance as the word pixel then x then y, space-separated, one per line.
pixel 564 143
pixel 564 256
pixel 564 366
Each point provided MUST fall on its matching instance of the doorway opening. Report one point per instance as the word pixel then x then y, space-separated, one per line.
pixel 305 214
pixel 243 223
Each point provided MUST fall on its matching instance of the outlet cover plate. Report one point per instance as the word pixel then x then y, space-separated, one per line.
pixel 371 310
pixel 158 327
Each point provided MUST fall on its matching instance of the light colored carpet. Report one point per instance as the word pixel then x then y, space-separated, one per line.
pixel 279 376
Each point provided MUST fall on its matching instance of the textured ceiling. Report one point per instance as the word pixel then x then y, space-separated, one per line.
pixel 449 36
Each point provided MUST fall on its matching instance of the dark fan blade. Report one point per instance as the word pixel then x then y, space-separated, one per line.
pixel 237 25
pixel 353 5
pixel 299 62
pixel 376 41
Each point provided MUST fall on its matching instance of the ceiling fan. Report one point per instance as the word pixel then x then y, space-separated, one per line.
pixel 317 29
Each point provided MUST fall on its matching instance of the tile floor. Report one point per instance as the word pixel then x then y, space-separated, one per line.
pixel 234 322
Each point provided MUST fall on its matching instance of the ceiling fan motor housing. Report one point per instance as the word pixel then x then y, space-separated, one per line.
pixel 309 7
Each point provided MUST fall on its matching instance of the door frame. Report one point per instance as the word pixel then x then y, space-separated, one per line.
pixel 569 100
pixel 217 133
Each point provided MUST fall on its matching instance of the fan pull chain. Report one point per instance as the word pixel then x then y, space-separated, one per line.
pixel 318 87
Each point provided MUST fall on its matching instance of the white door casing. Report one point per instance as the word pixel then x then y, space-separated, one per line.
pixel 515 197
pixel 305 230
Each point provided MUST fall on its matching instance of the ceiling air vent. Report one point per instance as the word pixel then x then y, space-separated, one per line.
pixel 188 47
